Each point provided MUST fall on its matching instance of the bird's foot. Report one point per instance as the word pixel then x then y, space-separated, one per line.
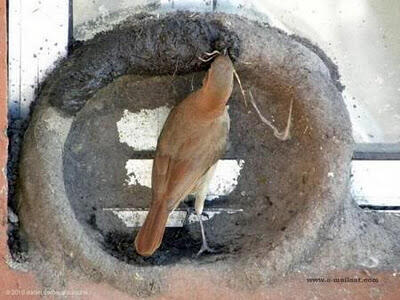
pixel 204 248
pixel 204 245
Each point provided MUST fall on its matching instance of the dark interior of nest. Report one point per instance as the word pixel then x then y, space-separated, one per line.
pixel 268 183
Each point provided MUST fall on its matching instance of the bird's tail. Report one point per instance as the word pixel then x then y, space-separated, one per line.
pixel 151 233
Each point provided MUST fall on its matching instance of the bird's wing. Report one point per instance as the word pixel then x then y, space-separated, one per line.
pixel 177 168
pixel 177 181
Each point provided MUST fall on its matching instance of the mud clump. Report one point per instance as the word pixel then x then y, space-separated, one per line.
pixel 131 48
pixel 16 242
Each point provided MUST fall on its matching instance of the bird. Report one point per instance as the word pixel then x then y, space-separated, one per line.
pixel 192 140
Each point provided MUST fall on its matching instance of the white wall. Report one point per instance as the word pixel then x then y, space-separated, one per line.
pixel 361 36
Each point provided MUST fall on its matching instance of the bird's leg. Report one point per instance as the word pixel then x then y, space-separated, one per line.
pixel 204 245
pixel 201 193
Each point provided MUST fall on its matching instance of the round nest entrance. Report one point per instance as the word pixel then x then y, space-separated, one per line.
pixel 288 191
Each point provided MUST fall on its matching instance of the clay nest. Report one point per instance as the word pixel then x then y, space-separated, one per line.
pixel 72 163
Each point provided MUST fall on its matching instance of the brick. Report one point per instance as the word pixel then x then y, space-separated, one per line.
pixel 3 129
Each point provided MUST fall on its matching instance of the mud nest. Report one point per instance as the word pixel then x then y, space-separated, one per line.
pixel 72 164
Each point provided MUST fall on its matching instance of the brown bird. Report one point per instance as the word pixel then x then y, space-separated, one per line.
pixel 192 141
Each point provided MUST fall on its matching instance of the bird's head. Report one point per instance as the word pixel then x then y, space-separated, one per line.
pixel 218 82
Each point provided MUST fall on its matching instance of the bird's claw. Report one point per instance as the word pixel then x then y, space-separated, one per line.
pixel 204 248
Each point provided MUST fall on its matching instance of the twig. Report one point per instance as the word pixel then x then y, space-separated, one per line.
pixel 215 52
pixel 283 136
pixel 176 69
pixel 210 55
pixel 191 82
pixel 240 85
